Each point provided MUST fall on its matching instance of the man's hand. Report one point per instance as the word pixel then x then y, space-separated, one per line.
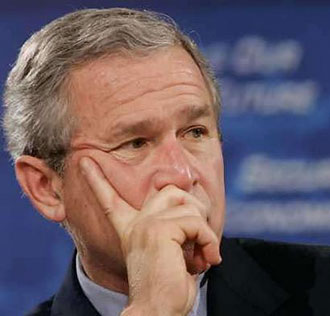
pixel 164 244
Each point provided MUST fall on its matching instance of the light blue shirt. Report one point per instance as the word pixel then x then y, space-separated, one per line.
pixel 110 303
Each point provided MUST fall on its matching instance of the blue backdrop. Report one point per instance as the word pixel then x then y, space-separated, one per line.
pixel 273 65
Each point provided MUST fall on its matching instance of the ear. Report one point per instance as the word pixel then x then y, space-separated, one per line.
pixel 42 185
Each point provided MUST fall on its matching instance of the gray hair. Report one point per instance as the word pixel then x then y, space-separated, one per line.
pixel 37 118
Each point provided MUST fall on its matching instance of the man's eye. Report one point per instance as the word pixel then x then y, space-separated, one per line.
pixel 197 132
pixel 137 143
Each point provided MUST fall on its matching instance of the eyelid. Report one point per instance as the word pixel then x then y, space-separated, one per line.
pixel 202 127
pixel 129 142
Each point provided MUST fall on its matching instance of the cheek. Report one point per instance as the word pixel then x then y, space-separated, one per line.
pixel 87 221
pixel 213 182
pixel 130 182
pixel 82 210
pixel 211 169
pixel 79 201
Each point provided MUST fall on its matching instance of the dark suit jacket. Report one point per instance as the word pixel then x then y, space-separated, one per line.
pixel 256 278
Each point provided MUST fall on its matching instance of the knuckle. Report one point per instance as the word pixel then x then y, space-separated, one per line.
pixel 191 211
pixel 172 192
pixel 145 231
pixel 194 211
pixel 167 189
pixel 170 187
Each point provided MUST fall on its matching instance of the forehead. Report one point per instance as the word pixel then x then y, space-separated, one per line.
pixel 122 84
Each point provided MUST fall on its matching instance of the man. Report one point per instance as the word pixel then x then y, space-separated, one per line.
pixel 111 119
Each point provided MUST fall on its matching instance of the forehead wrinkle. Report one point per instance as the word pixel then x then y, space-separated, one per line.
pixel 191 111
pixel 145 88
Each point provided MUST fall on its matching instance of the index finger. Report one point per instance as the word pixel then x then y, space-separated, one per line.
pixel 117 210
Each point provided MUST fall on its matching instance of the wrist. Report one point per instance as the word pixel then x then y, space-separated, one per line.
pixel 135 310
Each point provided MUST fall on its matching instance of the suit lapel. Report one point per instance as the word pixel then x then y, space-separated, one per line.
pixel 70 300
pixel 238 286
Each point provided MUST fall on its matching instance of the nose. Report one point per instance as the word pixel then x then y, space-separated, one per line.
pixel 174 167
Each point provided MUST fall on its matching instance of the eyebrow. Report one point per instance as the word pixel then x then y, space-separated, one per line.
pixel 189 113
pixel 195 112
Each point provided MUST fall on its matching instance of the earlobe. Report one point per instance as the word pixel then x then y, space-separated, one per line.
pixel 42 185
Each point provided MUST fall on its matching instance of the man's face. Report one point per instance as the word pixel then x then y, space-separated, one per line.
pixel 148 122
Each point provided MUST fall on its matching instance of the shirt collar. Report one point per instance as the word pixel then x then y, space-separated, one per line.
pixel 108 302
pixel 105 301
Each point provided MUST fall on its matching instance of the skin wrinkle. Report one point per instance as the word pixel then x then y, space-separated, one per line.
pixel 124 99
pixel 162 95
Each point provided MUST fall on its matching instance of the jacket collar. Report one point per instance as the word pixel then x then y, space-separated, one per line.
pixel 70 299
pixel 239 284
